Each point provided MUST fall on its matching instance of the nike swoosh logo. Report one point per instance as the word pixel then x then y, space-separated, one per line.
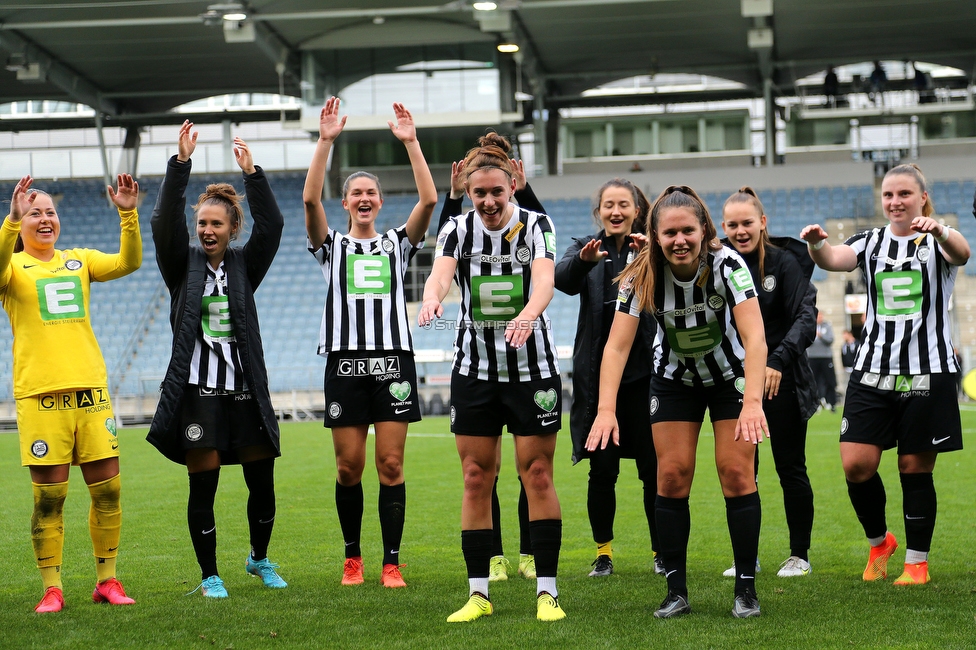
pixel 29 266
pixel 939 441
pixel 41 559
pixel 113 549
pixel 262 521
pixel 743 576
pixel 207 532
pixel 913 518
pixel 545 424
pixel 399 411
pixel 668 574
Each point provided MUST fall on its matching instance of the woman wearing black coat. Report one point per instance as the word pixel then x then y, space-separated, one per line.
pixel 588 269
pixel 215 407
pixel 788 301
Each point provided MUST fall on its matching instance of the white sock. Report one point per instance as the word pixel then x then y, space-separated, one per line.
pixel 478 584
pixel 914 557
pixel 877 541
pixel 546 584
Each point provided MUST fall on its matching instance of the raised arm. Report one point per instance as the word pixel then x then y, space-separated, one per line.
pixel 455 195
pixel 406 132
pixel 330 126
pixel 129 258
pixel 523 192
pixel 262 245
pixel 830 258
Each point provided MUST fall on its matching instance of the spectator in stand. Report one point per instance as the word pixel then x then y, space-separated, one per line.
pixel 877 84
pixel 822 363
pixel 830 87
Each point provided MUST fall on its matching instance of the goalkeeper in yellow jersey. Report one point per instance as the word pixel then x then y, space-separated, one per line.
pixel 64 413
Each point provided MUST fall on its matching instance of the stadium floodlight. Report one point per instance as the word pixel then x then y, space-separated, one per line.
pixel 484 6
pixel 235 17
pixel 507 48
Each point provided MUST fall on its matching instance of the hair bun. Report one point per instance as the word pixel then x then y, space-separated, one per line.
pixel 493 139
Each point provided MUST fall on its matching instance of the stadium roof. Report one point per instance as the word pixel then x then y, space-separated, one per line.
pixel 134 60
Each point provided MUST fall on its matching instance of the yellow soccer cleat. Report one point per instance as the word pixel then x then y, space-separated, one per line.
pixel 527 566
pixel 915 574
pixel 498 568
pixel 877 568
pixel 548 609
pixel 477 606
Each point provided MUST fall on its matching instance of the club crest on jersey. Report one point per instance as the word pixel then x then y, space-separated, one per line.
pixel 769 283
pixel 194 432
pixel 655 405
pixel 923 253
pixel 335 410
pixel 388 246
pixel 39 449
pixel 453 414
pixel 843 426
pixel 716 302
pixel 522 254
pixel 72 265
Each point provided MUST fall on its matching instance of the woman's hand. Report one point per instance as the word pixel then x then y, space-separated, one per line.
pixel 751 424
pixel 926 225
pixel 330 126
pixel 591 251
pixel 127 196
pixel 604 430
pixel 243 156
pixel 771 384
pixel 638 241
pixel 519 170
pixel 429 310
pixel 22 199
pixel 518 330
pixel 404 129
pixel 457 179
pixel 187 141
pixel 813 234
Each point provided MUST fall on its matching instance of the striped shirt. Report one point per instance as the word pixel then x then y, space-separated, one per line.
pixel 494 273
pixel 696 341
pixel 365 305
pixel 906 323
pixel 216 360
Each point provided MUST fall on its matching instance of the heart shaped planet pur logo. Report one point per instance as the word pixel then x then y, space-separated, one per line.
pixel 401 390
pixel 546 399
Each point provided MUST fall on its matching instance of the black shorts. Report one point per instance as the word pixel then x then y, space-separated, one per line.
pixel 483 408
pixel 918 414
pixel 673 401
pixel 363 387
pixel 221 420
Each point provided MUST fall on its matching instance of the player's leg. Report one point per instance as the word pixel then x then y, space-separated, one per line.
pixel 390 441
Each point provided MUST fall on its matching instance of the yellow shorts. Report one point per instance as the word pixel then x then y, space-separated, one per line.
pixel 73 426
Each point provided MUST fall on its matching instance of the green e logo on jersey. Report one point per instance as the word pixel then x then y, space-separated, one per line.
pixel 216 318
pixel 368 275
pixel 496 297
pixel 695 341
pixel 61 298
pixel 899 293
pixel 741 280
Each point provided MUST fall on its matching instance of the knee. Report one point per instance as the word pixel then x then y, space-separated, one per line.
pixel 476 480
pixel 537 477
pixel 390 469
pixel 858 471
pixel 348 473
pixel 674 480
pixel 738 478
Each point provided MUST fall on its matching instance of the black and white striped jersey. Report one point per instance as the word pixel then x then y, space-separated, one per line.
pixel 494 273
pixel 365 304
pixel 697 342
pixel 216 360
pixel 906 322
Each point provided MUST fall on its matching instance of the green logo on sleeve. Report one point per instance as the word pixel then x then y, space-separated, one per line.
pixel 496 297
pixel 742 280
pixel 368 275
pixel 61 298
pixel 550 241
pixel 546 399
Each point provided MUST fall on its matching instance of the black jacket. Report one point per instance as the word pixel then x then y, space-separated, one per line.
pixel 184 270
pixel 586 279
pixel 788 302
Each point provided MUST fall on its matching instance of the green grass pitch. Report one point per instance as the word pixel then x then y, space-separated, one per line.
pixel 832 608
